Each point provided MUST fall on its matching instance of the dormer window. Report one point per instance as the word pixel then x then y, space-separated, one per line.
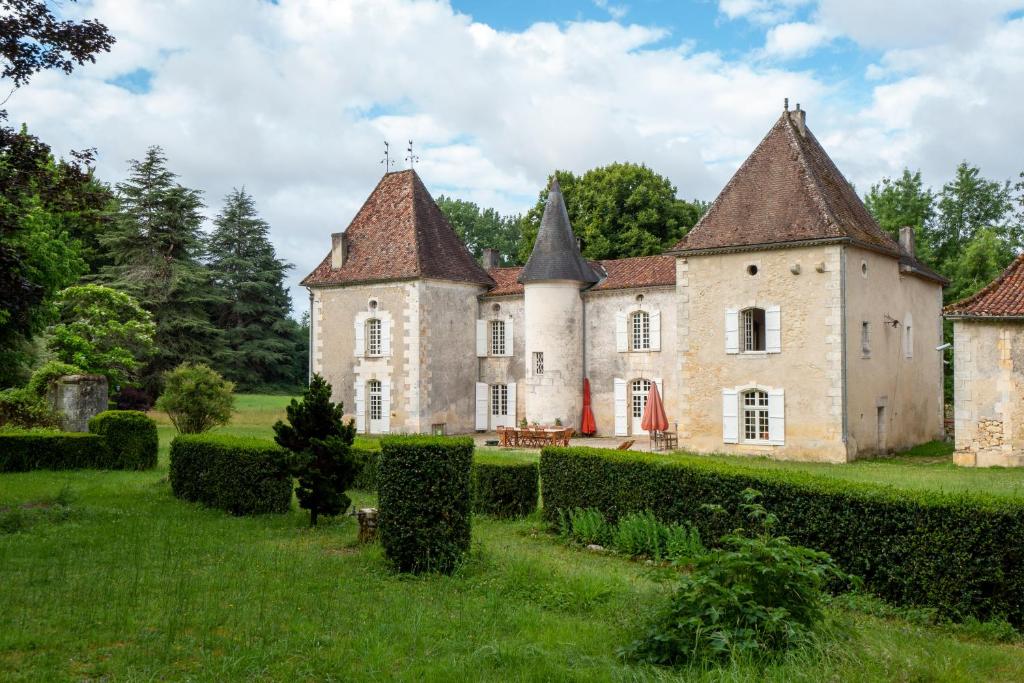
pixel 373 337
pixel 753 329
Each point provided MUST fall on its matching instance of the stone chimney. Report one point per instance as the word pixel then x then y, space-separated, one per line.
pixel 339 250
pixel 907 239
pixel 491 259
pixel 799 119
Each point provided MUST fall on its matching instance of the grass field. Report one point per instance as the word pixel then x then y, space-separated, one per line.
pixel 106 576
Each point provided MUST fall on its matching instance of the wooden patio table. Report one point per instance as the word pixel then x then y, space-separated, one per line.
pixel 534 437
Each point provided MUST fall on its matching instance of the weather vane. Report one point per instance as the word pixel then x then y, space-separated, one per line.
pixel 387 160
pixel 412 158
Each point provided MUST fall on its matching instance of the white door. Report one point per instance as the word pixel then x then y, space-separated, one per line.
pixel 498 408
pixel 375 398
pixel 638 391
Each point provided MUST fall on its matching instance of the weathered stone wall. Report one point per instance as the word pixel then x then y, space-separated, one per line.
pixel 78 398
pixel 505 369
pixel 988 380
pixel 554 326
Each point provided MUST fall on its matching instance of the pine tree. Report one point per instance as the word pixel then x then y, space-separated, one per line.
pixel 254 303
pixel 155 244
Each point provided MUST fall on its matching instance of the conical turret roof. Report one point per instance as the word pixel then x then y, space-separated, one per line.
pixel 555 255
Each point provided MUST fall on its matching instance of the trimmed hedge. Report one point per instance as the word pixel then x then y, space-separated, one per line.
pixel 961 554
pixel 367 460
pixel 503 487
pixel 131 437
pixel 423 488
pixel 244 476
pixel 26 451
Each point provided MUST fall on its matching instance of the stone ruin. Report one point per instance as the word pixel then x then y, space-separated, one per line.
pixel 78 398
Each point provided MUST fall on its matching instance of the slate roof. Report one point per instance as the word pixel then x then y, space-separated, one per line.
pixel 789 190
pixel 555 255
pixel 1001 298
pixel 400 234
pixel 627 273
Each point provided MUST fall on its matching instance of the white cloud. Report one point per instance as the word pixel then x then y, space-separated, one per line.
pixel 615 11
pixel 795 39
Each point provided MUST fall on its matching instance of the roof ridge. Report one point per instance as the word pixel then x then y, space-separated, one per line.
pixel 989 288
pixel 415 218
pixel 816 189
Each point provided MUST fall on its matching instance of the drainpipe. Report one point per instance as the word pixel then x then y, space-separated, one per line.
pixel 842 331
pixel 312 346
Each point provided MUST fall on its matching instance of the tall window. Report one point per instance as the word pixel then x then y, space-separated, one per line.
pixel 753 329
pixel 538 362
pixel 641 331
pixel 497 337
pixel 908 341
pixel 755 415
pixel 376 399
pixel 499 399
pixel 865 339
pixel 639 389
pixel 373 347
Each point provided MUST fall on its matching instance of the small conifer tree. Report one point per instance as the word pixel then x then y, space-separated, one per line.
pixel 321 446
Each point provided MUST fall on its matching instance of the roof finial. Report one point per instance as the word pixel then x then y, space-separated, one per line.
pixel 554 186
pixel 412 158
pixel 388 162
pixel 785 104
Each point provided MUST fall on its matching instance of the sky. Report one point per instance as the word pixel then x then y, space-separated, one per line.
pixel 293 99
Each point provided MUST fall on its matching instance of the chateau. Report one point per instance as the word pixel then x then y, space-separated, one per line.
pixel 787 323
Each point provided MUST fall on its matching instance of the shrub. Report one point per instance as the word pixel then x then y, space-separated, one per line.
pixel 504 488
pixel 22 408
pixel 910 547
pixel 131 398
pixel 46 373
pixel 131 437
pixel 25 451
pixel 423 487
pixel 196 398
pixel 244 476
pixel 756 597
pixel 366 461
pixel 584 525
pixel 640 533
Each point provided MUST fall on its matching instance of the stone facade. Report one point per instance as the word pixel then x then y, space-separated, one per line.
pixel 78 398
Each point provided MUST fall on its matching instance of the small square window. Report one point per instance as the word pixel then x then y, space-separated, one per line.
pixel 538 362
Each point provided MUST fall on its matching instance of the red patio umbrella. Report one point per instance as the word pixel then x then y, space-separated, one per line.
pixel 654 418
pixel 587 426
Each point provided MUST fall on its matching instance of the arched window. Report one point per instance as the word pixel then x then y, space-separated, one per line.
pixel 640 331
pixel 373 388
pixel 497 337
pixel 755 415
pixel 753 329
pixel 373 339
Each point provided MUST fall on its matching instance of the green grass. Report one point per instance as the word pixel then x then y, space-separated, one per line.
pixel 107 576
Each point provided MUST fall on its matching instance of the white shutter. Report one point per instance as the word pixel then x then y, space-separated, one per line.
pixel 776 417
pixel 620 333
pixel 620 407
pixel 772 329
pixel 360 336
pixel 360 407
pixel 656 330
pixel 730 416
pixel 385 407
pixel 481 407
pixel 509 338
pixel 732 331
pixel 481 338
pixel 385 336
pixel 510 416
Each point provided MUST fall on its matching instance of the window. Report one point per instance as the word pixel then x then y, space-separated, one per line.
pixel 639 388
pixel 908 340
pixel 755 415
pixel 497 337
pixel 753 329
pixel 538 362
pixel 641 331
pixel 499 399
pixel 865 339
pixel 373 345
pixel 376 399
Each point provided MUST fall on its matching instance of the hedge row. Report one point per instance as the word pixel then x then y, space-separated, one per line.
pixel 961 554
pixel 244 476
pixel 423 487
pixel 131 437
pixel 503 487
pixel 25 451
pixel 367 460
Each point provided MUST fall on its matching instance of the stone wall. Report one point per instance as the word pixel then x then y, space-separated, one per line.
pixel 78 398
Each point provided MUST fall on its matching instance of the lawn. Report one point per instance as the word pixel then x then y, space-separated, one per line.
pixel 104 575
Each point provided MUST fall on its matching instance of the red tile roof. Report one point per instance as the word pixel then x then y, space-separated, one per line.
pixel 1001 298
pixel 626 273
pixel 399 234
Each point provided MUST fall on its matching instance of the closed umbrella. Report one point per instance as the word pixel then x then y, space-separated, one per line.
pixel 654 418
pixel 587 426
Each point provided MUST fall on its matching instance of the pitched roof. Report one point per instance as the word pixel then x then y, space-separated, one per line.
pixel 399 234
pixel 1001 298
pixel 555 255
pixel 627 273
pixel 788 190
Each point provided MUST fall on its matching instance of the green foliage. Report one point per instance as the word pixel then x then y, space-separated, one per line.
pixel 504 488
pixel 366 462
pixel 102 331
pixel 910 547
pixel 586 526
pixel 26 451
pixel 637 534
pixel 641 534
pixel 47 373
pixel 755 598
pixel 481 229
pixel 24 408
pixel 423 489
pixel 196 398
pixel 131 437
pixel 244 476
pixel 618 210
pixel 904 202
pixel 321 447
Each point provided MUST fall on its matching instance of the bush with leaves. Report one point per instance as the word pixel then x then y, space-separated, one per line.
pixel 47 373
pixel 24 409
pixel 321 446
pixel 755 597
pixel 196 398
